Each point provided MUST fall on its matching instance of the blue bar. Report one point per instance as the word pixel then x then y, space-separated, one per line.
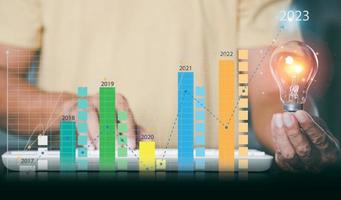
pixel 200 140
pixel 200 164
pixel 200 128
pixel 200 103
pixel 200 115
pixel 185 121
pixel 67 146
pixel 200 91
pixel 200 152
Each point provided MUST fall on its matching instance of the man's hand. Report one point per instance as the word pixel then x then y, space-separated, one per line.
pixel 70 107
pixel 301 143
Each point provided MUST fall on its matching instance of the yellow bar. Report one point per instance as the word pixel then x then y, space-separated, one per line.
pixel 161 164
pixel 243 103
pixel 243 115
pixel 243 54
pixel 243 66
pixel 226 104
pixel 243 91
pixel 243 164
pixel 243 127
pixel 243 140
pixel 243 78
pixel 147 156
pixel 243 152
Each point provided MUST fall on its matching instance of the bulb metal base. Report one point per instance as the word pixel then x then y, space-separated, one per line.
pixel 292 107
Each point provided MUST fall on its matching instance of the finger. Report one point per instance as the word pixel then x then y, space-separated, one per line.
pixel 274 133
pixel 93 128
pixel 314 132
pixel 93 122
pixel 282 163
pixel 286 165
pixel 298 140
pixel 94 99
pixel 140 132
pixel 122 105
pixel 286 156
pixel 280 138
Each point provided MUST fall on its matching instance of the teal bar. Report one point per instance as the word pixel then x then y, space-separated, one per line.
pixel 82 160
pixel 82 140
pixel 83 103
pixel 82 91
pixel 67 146
pixel 82 127
pixel 82 116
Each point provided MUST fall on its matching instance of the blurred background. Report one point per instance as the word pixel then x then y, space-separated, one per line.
pixel 323 32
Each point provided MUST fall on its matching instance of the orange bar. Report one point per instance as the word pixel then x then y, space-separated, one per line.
pixel 226 104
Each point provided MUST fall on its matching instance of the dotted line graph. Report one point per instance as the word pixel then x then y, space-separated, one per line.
pixel 210 112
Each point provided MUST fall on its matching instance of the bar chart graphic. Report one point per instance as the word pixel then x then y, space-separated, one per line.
pixel 200 124
pixel 67 146
pixel 107 118
pixel 226 105
pixel 191 128
pixel 147 156
pixel 122 162
pixel 185 120
pixel 82 141
pixel 243 114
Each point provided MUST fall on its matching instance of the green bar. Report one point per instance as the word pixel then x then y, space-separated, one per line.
pixel 122 140
pixel 122 152
pixel 107 128
pixel 122 115
pixel 122 128
pixel 122 164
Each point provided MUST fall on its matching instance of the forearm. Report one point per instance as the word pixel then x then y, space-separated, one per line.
pixel 29 108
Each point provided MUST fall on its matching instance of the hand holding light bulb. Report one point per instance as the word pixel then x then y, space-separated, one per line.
pixel 294 66
pixel 301 142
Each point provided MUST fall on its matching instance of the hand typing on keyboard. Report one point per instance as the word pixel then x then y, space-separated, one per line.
pixel 302 143
pixel 70 107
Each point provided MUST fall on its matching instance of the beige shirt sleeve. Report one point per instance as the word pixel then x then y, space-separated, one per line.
pixel 259 24
pixel 20 23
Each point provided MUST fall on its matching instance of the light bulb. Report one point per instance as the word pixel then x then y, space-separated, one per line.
pixel 293 66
